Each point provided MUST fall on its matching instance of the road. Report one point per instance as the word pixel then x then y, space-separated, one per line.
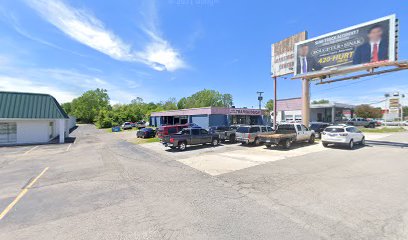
pixel 101 187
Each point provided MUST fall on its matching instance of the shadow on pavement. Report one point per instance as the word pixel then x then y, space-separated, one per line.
pixel 387 143
pixel 193 147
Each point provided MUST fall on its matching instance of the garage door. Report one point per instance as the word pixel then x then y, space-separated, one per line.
pixel 8 133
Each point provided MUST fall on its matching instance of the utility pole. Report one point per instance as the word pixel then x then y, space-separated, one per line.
pixel 260 98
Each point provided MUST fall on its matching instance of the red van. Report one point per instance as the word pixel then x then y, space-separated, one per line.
pixel 170 129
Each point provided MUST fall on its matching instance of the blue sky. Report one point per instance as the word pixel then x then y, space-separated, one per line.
pixel 173 48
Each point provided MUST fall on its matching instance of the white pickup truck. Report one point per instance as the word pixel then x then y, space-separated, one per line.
pixel 286 134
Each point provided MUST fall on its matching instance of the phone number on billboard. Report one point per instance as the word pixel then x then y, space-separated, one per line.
pixel 338 58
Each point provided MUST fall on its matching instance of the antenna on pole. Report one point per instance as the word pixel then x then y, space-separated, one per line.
pixel 260 98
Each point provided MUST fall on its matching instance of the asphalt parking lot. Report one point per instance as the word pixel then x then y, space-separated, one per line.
pixel 102 187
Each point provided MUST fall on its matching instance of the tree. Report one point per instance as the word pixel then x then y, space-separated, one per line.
pixel 227 100
pixel 182 103
pixel 269 105
pixel 207 98
pixel 170 104
pixel 67 107
pixel 86 107
pixel 321 101
pixel 405 111
pixel 366 111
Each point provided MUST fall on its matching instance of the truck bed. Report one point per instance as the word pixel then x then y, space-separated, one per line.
pixel 270 136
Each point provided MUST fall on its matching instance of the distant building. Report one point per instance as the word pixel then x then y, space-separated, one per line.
pixel 209 116
pixel 31 118
pixel 291 110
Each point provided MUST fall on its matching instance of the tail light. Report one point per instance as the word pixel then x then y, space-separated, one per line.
pixel 343 134
pixel 249 135
pixel 171 140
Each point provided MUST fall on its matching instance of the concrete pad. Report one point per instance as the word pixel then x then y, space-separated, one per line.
pixel 221 163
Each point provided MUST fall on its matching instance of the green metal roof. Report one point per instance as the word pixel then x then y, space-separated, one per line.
pixel 30 106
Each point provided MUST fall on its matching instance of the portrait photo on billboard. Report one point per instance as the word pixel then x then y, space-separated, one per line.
pixel 366 43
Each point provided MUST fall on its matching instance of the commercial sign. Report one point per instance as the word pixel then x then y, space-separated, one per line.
pixel 363 44
pixel 283 56
pixel 244 111
pixel 394 103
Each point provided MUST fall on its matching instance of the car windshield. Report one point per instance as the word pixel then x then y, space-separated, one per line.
pixel 243 129
pixel 332 129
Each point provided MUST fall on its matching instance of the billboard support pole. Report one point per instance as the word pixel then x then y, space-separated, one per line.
pixel 305 102
pixel 275 97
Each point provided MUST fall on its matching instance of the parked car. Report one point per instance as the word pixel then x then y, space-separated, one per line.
pixel 224 133
pixel 286 134
pixel 140 124
pixel 170 129
pixel 249 133
pixel 126 125
pixel 190 136
pixel 361 122
pixel 146 133
pixel 318 128
pixel 342 135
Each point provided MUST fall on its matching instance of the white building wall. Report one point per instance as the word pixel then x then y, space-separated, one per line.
pixel 33 131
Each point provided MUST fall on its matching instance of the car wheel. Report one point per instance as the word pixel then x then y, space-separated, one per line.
pixel 215 142
pixel 268 145
pixel 325 144
pixel 257 142
pixel 182 146
pixel 286 144
pixel 312 139
pixel 362 141
pixel 351 144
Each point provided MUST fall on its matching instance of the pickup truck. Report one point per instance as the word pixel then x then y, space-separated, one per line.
pixel 286 134
pixel 224 133
pixel 190 136
pixel 361 122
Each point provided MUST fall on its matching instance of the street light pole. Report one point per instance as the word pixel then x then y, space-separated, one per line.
pixel 260 98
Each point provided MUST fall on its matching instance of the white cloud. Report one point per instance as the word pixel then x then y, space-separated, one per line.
pixel 88 30
pixel 24 85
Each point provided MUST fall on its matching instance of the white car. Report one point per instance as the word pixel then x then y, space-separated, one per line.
pixel 342 135
pixel 126 125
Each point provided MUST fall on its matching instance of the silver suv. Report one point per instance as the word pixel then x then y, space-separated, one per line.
pixel 249 133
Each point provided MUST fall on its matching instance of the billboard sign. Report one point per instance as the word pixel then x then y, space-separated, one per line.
pixel 360 45
pixel 283 56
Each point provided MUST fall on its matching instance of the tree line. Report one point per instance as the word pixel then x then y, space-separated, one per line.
pixel 93 106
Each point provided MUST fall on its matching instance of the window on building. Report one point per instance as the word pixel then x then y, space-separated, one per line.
pixel 8 132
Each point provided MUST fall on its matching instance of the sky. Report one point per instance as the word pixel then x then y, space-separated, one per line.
pixel 157 49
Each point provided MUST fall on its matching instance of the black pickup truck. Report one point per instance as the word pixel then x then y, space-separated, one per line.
pixel 190 136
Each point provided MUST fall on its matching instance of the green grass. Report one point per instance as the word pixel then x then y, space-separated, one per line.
pixel 383 130
pixel 145 140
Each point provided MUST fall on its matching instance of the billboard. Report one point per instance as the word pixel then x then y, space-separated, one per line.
pixel 359 45
pixel 283 56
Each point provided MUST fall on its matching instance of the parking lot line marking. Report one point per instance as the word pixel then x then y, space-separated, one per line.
pixel 69 146
pixel 21 194
pixel 30 150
